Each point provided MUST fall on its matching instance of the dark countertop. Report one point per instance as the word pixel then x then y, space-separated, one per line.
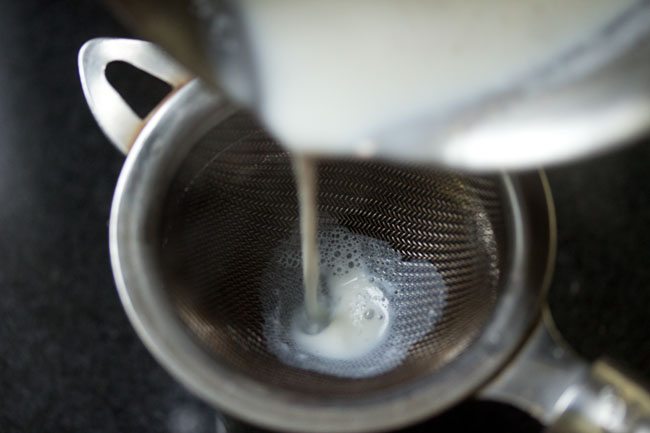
pixel 69 360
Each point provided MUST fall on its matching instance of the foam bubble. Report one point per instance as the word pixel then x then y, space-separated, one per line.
pixel 377 300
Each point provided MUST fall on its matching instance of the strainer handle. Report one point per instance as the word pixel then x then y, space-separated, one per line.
pixel 116 118
pixel 567 393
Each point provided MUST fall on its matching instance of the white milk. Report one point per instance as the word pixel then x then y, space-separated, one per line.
pixel 331 74
pixel 358 318
pixel 306 174
pixel 369 291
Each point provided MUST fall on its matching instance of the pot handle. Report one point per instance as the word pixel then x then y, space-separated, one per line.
pixel 116 118
pixel 567 393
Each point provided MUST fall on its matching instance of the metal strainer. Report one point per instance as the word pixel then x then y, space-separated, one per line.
pixel 233 201
pixel 205 198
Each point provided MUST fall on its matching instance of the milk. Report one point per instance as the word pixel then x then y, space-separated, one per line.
pixel 330 76
pixel 306 174
pixel 357 322
pixel 367 288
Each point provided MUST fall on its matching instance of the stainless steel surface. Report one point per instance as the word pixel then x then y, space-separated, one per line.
pixel 116 118
pixel 204 190
pixel 544 120
pixel 605 401
pixel 564 392
pixel 539 376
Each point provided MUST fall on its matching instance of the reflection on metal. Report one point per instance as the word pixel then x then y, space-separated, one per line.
pixel 115 117
pixel 605 401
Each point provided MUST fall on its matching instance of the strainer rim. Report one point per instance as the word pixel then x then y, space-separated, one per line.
pixel 189 111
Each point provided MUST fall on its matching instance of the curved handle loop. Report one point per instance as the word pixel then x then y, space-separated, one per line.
pixel 115 117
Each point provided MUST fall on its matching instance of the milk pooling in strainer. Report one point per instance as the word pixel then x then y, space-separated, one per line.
pixel 364 282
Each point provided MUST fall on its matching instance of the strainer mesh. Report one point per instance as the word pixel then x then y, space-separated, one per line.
pixel 233 201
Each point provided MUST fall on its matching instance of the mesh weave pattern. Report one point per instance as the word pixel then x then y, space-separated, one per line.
pixel 234 200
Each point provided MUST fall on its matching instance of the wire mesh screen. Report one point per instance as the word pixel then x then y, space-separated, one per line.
pixel 233 201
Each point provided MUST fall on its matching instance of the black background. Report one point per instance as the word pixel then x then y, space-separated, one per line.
pixel 69 360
